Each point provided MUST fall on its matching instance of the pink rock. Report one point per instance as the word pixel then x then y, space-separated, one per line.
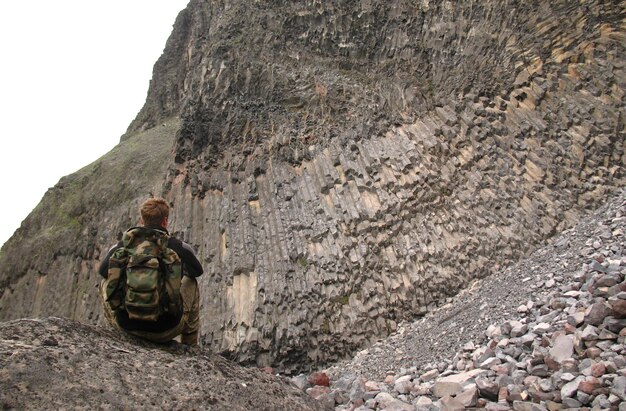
pixel 372 386
pixel 588 386
pixel 598 370
pixel 317 391
pixel 503 394
pixel 592 352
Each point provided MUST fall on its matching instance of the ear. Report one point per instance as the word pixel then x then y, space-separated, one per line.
pixel 164 222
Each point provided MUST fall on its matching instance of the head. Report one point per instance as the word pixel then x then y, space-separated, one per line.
pixel 155 212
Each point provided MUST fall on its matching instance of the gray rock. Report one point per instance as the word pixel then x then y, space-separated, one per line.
pixel 596 314
pixel 571 403
pixel 387 402
pixel 601 402
pixel 614 325
pixel 589 333
pixel 619 387
pixel 527 406
pixel 357 389
pixel 563 348
pixel 487 389
pixel 301 381
pixel 468 397
pixel 449 403
pixel 403 385
pixel 569 389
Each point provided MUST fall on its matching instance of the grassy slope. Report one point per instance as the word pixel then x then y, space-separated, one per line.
pixel 88 204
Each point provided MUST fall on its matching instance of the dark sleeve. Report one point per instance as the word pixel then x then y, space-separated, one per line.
pixel 104 265
pixel 191 265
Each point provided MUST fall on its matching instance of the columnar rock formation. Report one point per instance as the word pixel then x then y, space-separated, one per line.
pixel 342 165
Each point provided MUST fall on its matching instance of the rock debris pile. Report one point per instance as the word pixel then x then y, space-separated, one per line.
pixel 55 363
pixel 562 347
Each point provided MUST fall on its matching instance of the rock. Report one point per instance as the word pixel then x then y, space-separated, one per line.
pixel 527 406
pixel 371 386
pixel 492 332
pixel 583 398
pixel 596 314
pixel 319 378
pixel 326 399
pixel 541 328
pixel 453 384
pixel 598 370
pixel 423 402
pixel 482 354
pixel 430 375
pixel 403 384
pixel 600 402
pixel 317 391
pixel 449 403
pixel 589 386
pixel 487 389
pixel 359 388
pixel 494 406
pixel 301 381
pixel 387 402
pixel 562 349
pixel 446 388
pixel 469 396
pixel 540 370
pixel 469 346
pixel 592 352
pixel 128 372
pixel 569 389
pixel 565 364
pixel 589 333
pixel 614 325
pixel 343 383
pixel 618 308
pixel 619 387
pixel 553 406
pixel 606 281
pixel 570 403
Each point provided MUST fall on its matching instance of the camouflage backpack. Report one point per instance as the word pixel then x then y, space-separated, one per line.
pixel 144 276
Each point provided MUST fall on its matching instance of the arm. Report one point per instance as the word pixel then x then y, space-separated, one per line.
pixel 104 265
pixel 191 265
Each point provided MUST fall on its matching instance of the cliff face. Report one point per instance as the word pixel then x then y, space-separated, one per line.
pixel 343 165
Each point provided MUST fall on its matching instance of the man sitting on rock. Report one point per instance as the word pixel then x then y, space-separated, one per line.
pixel 142 288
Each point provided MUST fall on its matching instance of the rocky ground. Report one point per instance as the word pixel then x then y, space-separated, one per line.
pixel 547 333
pixel 55 363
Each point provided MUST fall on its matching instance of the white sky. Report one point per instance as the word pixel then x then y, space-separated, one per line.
pixel 73 75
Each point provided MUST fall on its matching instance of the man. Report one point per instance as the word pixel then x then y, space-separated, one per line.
pixel 154 215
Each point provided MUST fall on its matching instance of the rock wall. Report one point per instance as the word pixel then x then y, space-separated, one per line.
pixel 316 246
pixel 343 165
